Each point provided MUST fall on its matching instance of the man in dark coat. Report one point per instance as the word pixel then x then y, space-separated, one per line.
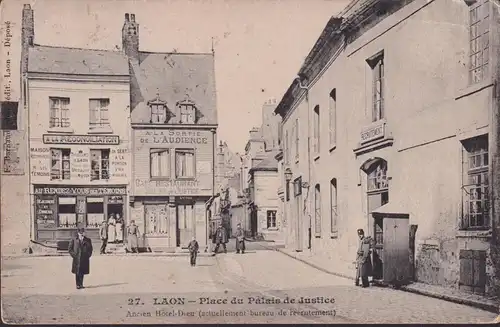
pixel 240 239
pixel 80 249
pixel 193 251
pixel 220 239
pixel 363 259
pixel 103 233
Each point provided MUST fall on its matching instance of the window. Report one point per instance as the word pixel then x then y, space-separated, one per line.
pixel 377 177
pixel 271 219
pixel 60 165
pixel 159 111
pixel 475 184
pixel 188 114
pixel 317 210
pixel 333 207
pixel 8 115
pixel 316 130
pixel 157 219
pixel 333 117
pixel 159 163
pixel 99 162
pixel 67 212
pixel 59 112
pixel 287 149
pixel 184 163
pixel 95 211
pixel 99 112
pixel 297 133
pixel 377 65
pixel 479 40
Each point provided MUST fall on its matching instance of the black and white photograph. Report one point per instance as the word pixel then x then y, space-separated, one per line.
pixel 250 161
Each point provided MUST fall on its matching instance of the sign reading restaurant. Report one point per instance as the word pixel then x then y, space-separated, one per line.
pixel 81 139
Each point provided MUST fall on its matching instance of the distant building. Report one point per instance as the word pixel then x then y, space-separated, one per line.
pixel 397 99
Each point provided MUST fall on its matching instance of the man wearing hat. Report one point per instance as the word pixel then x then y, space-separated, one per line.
pixel 363 259
pixel 80 249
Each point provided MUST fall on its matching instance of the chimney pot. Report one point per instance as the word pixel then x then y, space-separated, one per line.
pixel 132 18
pixel 126 18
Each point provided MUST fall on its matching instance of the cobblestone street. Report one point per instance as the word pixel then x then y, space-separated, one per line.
pixel 41 290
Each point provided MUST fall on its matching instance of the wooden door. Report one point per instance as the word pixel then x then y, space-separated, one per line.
pixel 185 224
pixel 396 255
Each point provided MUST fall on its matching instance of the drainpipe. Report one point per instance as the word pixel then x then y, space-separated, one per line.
pixel 214 144
pixel 306 200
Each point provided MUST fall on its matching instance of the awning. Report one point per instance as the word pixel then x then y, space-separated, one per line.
pixel 391 210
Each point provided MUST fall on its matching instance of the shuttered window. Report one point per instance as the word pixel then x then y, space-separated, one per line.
pixel 472 271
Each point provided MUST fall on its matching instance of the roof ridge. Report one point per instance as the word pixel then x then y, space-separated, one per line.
pixel 75 48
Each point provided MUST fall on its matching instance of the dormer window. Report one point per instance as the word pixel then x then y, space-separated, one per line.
pixel 188 112
pixel 160 114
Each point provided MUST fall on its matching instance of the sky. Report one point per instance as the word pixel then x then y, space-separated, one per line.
pixel 259 44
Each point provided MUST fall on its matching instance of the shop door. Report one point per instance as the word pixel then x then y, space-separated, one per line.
pixel 185 224
pixel 396 251
pixel 253 222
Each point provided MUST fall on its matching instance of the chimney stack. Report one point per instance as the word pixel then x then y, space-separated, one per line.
pixel 27 36
pixel 130 37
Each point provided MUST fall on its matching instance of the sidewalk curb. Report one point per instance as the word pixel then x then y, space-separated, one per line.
pixel 316 266
pixel 476 304
pixel 147 254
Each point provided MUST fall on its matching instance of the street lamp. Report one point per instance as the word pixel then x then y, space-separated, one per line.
pixel 288 174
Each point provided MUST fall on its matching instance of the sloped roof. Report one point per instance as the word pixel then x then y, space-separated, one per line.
pixel 75 61
pixel 268 164
pixel 174 77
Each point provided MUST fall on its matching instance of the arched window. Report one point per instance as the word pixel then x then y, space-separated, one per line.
pixel 333 207
pixel 377 176
pixel 316 130
pixel 317 210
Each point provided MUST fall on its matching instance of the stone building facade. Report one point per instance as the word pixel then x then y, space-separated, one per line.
pixel 391 115
pixel 174 123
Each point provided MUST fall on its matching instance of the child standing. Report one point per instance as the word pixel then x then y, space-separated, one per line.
pixel 193 251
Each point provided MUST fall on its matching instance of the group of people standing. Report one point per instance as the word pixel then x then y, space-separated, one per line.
pixel 220 237
pixel 111 231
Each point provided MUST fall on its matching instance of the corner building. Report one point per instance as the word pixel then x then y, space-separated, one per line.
pixel 397 98
pixel 174 122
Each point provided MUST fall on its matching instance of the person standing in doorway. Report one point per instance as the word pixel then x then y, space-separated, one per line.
pixel 111 229
pixel 133 237
pixel 240 239
pixel 220 239
pixel 193 247
pixel 80 249
pixel 363 259
pixel 103 234
pixel 119 228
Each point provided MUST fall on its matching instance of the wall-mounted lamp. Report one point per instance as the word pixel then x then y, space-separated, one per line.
pixel 288 174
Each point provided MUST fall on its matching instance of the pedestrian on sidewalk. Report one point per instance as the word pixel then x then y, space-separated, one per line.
pixel 193 251
pixel 119 228
pixel 240 239
pixel 111 229
pixel 363 259
pixel 133 237
pixel 80 249
pixel 220 239
pixel 103 234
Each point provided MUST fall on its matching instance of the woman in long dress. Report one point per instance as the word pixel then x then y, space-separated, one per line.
pixel 111 229
pixel 133 237
pixel 119 228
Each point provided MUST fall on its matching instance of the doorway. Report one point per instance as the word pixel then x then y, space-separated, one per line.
pixel 253 222
pixel 184 224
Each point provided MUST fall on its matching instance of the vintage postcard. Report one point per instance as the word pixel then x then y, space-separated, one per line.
pixel 250 161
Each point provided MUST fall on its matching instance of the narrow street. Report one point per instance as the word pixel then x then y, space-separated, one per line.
pixel 134 290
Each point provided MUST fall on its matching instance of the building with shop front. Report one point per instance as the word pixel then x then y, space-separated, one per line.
pixel 174 123
pixel 79 145
pixel 392 126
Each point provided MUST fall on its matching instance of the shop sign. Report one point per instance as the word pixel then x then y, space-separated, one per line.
pixel 173 137
pixel 13 152
pixel 373 133
pixel 81 139
pixel 86 191
pixel 170 187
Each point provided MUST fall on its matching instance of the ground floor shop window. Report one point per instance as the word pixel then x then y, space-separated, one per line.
pixel 95 211
pixel 67 212
pixel 157 219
